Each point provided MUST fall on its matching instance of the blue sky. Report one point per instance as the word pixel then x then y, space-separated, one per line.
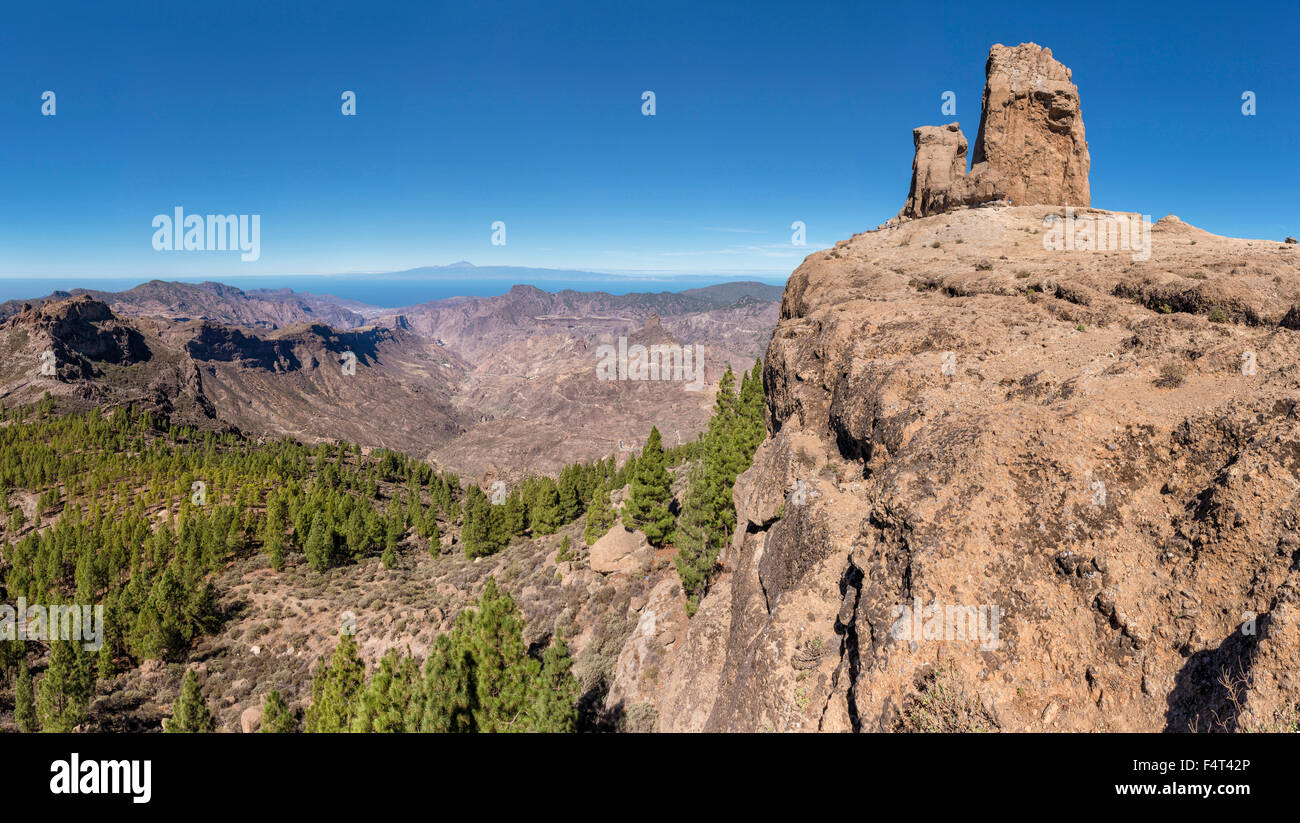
pixel 530 113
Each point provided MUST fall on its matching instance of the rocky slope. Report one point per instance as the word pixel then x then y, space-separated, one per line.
pixel 532 393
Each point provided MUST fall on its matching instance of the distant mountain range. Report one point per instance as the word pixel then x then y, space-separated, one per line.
pixel 265 308
pixel 529 274
pixel 503 384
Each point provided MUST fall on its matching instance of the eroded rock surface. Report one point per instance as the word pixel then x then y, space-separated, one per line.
pixel 1031 129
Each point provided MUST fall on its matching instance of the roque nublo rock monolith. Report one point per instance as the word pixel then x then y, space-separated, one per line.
pixel 1030 149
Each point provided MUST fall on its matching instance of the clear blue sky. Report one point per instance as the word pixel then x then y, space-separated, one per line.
pixel 530 113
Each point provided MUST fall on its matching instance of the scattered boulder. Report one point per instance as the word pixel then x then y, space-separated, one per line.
pixel 250 720
pixel 620 551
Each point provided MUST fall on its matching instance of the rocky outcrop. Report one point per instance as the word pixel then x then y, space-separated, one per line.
pixel 937 168
pixel 76 336
pixel 1031 129
pixel 939 179
pixel 1010 488
pixel 1030 148
pixel 214 342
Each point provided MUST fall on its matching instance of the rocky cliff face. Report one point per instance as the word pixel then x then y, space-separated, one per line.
pixel 62 342
pixel 1030 148
pixel 1031 129
pixel 1015 488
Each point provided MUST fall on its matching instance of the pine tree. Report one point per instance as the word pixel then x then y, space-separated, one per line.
pixel 497 531
pixel 544 515
pixel 319 547
pixel 647 506
pixel 394 530
pixel 727 448
pixel 277 717
pixel 356 535
pixel 565 552
pixel 568 498
pixel 190 713
pixel 502 668
pixel 600 517
pixel 24 700
pixel 111 640
pixel 335 688
pixel 553 701
pixel 515 515
pixel 751 411
pixel 476 534
pixel 273 540
pixel 431 531
pixel 697 545
pixel 450 699
pixel 383 706
pixel 64 692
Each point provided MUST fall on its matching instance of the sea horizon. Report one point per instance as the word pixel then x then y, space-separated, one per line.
pixel 381 291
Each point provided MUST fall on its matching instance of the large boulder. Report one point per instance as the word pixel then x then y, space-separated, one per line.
pixel 620 551
pixel 250 719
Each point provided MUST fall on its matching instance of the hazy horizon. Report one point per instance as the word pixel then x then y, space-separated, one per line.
pixel 392 289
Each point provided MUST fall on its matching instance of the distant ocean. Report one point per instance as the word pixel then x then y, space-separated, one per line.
pixel 377 290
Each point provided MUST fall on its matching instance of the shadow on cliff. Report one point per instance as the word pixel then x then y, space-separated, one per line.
pixel 1207 691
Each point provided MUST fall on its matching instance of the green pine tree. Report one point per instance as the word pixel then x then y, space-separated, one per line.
pixel 273 538
pixel 24 700
pixel 64 693
pixel 600 517
pixel 319 547
pixel 727 448
pixel 568 495
pixel 553 702
pixel 432 532
pixel 190 713
pixel 335 688
pixel 384 705
pixel 277 717
pixel 476 534
pixel 544 515
pixel 565 552
pixel 515 515
pixel 647 506
pixel 450 699
pixel 502 670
